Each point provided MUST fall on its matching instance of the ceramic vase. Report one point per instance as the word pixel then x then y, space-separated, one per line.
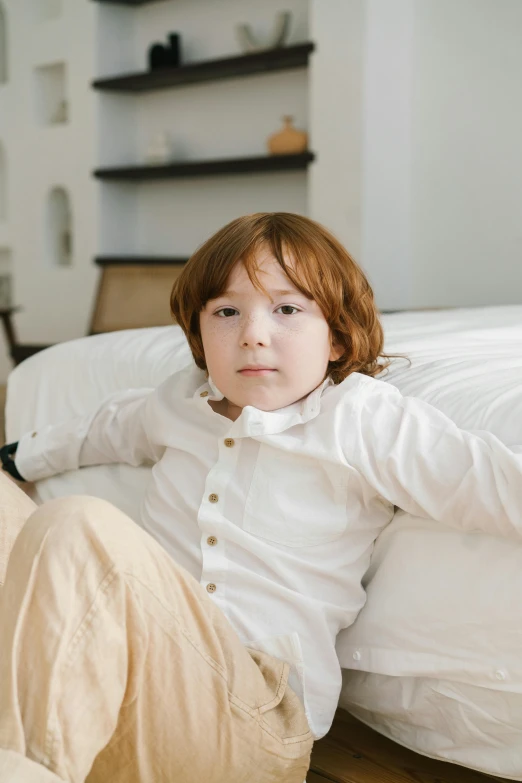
pixel 289 140
pixel 174 50
pixel 249 43
pixel 161 56
pixel 157 56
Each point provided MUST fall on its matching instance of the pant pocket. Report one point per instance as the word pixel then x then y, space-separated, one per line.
pixel 282 712
pixel 275 676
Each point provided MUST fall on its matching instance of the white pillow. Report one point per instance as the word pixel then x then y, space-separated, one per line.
pixel 467 363
pixel 433 660
pixel 74 377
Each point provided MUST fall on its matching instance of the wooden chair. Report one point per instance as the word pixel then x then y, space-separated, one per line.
pixel 131 293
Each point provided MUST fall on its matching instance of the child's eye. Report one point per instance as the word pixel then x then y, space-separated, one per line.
pixel 286 308
pixel 226 312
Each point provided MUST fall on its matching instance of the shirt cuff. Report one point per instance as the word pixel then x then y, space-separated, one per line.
pixel 52 449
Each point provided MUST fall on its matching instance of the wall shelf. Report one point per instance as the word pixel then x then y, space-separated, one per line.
pixel 139 261
pixel 280 59
pixel 204 168
pixel 126 2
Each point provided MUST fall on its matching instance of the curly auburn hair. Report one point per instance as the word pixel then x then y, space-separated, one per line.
pixel 315 262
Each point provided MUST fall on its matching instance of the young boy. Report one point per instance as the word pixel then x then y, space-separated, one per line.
pixel 278 459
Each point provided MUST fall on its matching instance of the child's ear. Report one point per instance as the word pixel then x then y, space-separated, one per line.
pixel 336 351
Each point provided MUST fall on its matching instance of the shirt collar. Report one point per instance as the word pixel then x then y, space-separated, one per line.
pixel 311 405
pixel 254 421
pixel 216 394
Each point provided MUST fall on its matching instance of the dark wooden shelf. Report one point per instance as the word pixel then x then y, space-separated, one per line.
pixel 126 2
pixel 205 168
pixel 281 59
pixel 139 261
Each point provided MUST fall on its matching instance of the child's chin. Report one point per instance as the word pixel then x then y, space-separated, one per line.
pixel 267 402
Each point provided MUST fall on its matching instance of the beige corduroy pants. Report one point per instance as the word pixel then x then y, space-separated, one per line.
pixel 116 667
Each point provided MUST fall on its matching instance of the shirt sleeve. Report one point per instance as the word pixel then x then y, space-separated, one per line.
pixel 118 431
pixel 418 459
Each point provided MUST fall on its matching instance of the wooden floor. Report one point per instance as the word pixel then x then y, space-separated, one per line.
pixel 353 753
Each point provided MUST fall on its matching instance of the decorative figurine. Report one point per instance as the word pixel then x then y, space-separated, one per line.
pixel 157 57
pixel 159 150
pixel 249 43
pixel 161 56
pixel 174 50
pixel 289 141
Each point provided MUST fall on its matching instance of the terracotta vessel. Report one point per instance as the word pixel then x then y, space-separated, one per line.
pixel 289 141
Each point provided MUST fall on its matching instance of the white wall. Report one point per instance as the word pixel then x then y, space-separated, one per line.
pixel 56 300
pixel 442 158
pixel 386 150
pixel 467 152
pixel 336 117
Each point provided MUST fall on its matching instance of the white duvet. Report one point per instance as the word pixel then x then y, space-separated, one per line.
pixel 434 660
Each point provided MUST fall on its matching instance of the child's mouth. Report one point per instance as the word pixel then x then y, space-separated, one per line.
pixel 256 372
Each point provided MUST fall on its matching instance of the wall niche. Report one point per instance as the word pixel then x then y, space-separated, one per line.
pixel 3 184
pixel 52 105
pixel 46 10
pixel 59 227
pixel 3 44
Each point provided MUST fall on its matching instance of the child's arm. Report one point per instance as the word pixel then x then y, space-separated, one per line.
pixel 119 431
pixel 418 459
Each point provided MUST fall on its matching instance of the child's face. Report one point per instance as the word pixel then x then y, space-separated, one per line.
pixel 261 351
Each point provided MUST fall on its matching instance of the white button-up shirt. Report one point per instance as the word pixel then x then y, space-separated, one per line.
pixel 276 513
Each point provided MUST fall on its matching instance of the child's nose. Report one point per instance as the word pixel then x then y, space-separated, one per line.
pixel 255 331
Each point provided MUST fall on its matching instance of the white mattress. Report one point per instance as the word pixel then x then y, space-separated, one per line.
pixel 434 659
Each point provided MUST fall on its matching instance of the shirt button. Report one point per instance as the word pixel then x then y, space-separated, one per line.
pixel 34 435
pixel 204 394
pixel 211 588
pixel 212 540
pixel 229 442
pixel 356 656
pixel 213 498
pixel 500 674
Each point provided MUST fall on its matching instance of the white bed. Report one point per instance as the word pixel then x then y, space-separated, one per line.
pixel 434 660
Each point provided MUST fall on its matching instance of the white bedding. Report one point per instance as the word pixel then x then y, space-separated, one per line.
pixel 72 378
pixel 434 659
